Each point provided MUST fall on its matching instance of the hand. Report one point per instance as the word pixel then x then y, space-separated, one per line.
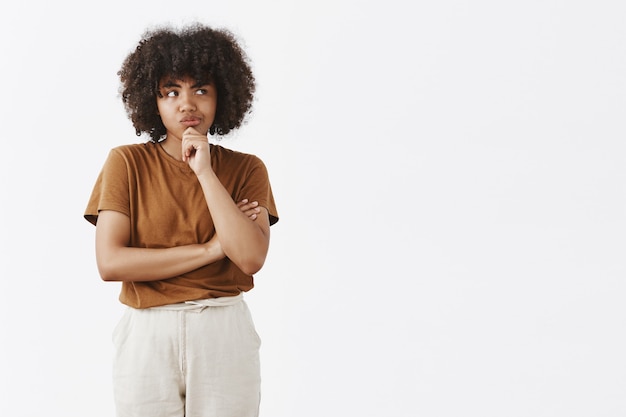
pixel 196 150
pixel 250 209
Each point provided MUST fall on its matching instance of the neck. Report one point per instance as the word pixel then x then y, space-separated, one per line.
pixel 172 148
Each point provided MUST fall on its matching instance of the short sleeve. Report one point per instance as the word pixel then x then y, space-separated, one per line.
pixel 257 187
pixel 111 190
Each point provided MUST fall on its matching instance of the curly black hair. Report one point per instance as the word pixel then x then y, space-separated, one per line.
pixel 197 51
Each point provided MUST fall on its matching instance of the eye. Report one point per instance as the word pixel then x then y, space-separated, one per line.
pixel 171 93
pixel 201 91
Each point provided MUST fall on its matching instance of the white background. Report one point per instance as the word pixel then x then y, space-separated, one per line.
pixel 451 183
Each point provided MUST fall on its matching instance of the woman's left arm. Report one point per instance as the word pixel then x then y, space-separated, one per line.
pixel 244 240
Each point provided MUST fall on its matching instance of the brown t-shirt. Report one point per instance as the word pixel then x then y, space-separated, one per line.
pixel 166 206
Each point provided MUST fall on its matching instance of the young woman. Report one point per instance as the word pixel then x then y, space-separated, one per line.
pixel 184 225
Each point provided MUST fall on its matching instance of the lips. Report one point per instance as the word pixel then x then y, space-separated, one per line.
pixel 190 121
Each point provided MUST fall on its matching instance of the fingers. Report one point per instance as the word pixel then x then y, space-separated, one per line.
pixel 250 209
pixel 245 205
pixel 193 141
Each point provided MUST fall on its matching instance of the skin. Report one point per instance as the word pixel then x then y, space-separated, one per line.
pixel 187 110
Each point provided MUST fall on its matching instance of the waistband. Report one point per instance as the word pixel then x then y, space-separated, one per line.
pixel 199 305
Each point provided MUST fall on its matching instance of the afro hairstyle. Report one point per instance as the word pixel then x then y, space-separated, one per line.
pixel 196 51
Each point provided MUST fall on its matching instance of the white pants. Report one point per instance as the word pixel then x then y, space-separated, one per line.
pixel 197 359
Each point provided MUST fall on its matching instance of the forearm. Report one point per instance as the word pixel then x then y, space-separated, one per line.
pixel 142 264
pixel 244 241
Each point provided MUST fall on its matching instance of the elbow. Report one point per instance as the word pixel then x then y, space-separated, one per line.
pixel 109 267
pixel 251 268
pixel 249 259
pixel 252 265
pixel 107 276
pixel 107 273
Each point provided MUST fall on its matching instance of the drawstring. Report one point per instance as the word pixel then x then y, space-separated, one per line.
pixel 199 305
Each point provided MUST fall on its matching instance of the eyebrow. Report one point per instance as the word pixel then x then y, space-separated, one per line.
pixel 173 83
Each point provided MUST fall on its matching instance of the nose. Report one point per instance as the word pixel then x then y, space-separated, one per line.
pixel 187 103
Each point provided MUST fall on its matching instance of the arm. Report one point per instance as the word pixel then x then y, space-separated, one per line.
pixel 118 262
pixel 243 241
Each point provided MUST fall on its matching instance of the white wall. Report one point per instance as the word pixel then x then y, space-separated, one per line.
pixel 451 183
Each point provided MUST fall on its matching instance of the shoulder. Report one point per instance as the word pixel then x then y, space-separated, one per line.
pixel 134 154
pixel 230 156
pixel 230 153
pixel 135 149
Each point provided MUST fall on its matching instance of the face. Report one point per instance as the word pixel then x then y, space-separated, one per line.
pixel 186 103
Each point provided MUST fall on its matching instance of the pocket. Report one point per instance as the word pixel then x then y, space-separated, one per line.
pixel 121 330
pixel 249 323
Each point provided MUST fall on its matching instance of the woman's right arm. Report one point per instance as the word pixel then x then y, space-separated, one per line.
pixel 118 262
